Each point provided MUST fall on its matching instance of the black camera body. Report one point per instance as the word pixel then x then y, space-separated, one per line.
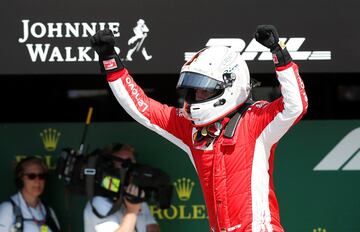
pixel 96 174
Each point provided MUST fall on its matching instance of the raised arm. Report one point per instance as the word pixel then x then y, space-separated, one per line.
pixel 164 120
pixel 280 115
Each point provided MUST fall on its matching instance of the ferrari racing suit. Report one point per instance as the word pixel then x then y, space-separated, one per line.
pixel 236 174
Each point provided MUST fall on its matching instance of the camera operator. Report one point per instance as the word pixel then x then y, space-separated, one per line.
pixel 131 216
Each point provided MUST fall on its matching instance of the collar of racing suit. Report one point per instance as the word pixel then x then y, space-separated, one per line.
pixel 204 136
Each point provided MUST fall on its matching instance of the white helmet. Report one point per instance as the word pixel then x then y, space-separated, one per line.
pixel 220 70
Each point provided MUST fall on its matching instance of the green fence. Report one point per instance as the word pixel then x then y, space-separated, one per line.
pixel 325 199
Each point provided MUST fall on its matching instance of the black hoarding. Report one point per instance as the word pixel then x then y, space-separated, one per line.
pixel 52 37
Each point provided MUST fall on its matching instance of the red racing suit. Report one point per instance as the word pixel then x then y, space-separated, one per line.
pixel 236 175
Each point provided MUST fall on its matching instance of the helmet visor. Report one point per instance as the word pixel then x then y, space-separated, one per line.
pixel 198 81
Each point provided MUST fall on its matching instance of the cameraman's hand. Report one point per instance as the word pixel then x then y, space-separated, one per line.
pixel 103 43
pixel 131 205
pixel 129 219
pixel 268 36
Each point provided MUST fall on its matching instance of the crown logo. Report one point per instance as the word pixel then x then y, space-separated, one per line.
pixel 184 188
pixel 50 138
pixel 319 230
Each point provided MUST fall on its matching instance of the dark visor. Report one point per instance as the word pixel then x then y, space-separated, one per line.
pixel 199 81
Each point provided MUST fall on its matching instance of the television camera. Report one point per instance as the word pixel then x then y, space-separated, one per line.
pixel 96 174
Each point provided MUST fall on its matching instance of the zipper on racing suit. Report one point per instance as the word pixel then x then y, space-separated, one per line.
pixel 218 202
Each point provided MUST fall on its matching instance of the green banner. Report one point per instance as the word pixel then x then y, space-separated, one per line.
pixel 316 173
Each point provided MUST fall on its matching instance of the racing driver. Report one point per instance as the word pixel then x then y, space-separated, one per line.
pixel 229 138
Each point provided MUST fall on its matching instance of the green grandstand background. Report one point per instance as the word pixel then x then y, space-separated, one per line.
pixel 310 201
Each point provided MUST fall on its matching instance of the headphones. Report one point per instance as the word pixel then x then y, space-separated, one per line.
pixel 20 167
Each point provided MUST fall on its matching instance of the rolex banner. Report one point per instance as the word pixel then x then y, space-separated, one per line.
pixel 157 37
pixel 317 171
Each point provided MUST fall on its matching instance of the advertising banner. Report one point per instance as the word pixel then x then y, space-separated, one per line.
pixel 316 174
pixel 157 37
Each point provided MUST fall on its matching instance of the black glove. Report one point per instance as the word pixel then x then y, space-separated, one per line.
pixel 103 43
pixel 268 36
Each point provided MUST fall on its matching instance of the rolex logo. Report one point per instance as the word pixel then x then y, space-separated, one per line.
pixel 184 188
pixel 50 138
pixel 319 230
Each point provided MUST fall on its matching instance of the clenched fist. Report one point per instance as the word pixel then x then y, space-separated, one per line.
pixel 103 43
pixel 268 36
